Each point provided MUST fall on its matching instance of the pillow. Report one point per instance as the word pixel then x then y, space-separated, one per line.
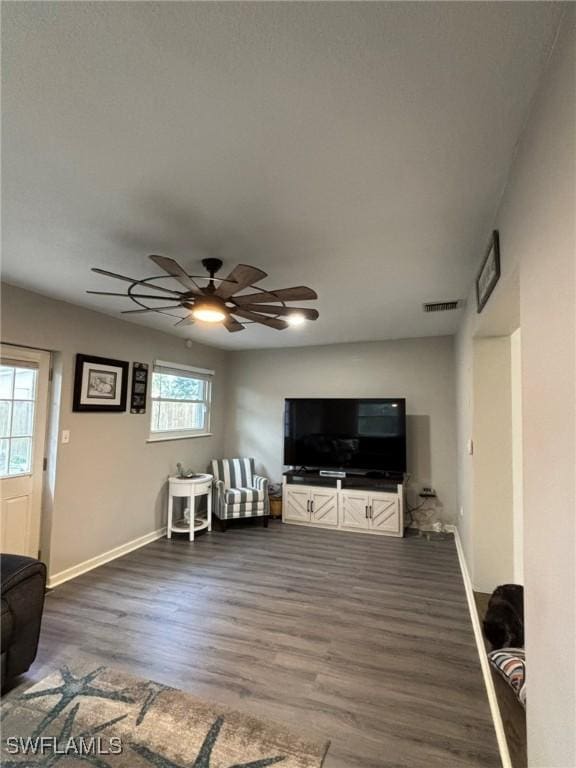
pixel 510 663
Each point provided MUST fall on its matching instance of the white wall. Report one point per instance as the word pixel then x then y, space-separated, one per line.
pixel 536 224
pixel 419 369
pixel 542 215
pixel 110 484
pixel 517 456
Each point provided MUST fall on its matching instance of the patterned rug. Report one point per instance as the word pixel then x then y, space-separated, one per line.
pixel 98 716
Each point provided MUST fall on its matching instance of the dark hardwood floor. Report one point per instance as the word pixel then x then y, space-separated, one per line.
pixel 362 640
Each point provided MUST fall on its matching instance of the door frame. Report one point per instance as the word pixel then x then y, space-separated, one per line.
pixel 43 359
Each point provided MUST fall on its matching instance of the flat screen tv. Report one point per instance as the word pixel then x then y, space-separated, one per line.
pixel 330 433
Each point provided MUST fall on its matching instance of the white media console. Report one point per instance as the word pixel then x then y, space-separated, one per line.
pixel 345 504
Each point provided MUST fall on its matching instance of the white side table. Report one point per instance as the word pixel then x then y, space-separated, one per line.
pixel 190 488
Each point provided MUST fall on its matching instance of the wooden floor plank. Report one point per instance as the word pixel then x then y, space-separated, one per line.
pixel 362 640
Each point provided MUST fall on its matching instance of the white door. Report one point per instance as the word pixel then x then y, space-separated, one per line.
pixel 324 507
pixel 297 504
pixel 385 514
pixel 354 509
pixel 23 411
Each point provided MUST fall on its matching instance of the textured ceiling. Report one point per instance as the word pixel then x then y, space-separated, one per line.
pixel 359 148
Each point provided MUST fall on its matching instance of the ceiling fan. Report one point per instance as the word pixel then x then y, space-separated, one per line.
pixel 215 299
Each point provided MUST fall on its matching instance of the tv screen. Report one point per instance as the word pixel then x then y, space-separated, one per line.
pixel 367 434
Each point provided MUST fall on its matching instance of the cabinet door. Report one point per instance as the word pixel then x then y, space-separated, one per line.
pixel 354 507
pixel 385 513
pixel 324 507
pixel 297 505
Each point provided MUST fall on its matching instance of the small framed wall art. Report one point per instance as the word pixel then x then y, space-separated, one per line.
pixel 100 384
pixel 489 272
pixel 139 387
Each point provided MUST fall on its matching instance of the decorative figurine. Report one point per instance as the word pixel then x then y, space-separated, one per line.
pixel 185 474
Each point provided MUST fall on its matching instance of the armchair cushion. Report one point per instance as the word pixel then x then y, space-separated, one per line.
pixel 238 495
pixel 249 509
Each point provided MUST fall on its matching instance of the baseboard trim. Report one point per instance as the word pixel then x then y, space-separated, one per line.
pixel 484 664
pixel 105 557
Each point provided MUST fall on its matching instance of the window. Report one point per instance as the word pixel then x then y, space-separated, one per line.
pixel 17 400
pixel 181 400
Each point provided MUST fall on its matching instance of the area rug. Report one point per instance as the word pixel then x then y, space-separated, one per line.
pixel 86 715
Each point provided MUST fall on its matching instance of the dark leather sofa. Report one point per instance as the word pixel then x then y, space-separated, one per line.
pixel 23 584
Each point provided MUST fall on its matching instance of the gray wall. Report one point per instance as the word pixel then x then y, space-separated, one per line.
pixel 537 292
pixel 419 369
pixel 110 484
pixel 493 543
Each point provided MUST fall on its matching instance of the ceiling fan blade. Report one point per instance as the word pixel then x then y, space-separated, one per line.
pixel 232 325
pixel 133 280
pixel 242 276
pixel 271 322
pixel 188 320
pixel 129 295
pixel 156 309
pixel 175 270
pixel 269 309
pixel 298 293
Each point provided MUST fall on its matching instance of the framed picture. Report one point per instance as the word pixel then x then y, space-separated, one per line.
pixel 139 388
pixel 100 384
pixel 489 273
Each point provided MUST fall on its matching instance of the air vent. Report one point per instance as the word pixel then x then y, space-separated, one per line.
pixel 442 306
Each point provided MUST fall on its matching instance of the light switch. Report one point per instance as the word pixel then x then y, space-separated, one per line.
pixel 65 435
pixel 470 445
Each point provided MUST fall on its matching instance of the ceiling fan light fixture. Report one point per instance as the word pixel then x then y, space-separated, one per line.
pixel 221 302
pixel 295 319
pixel 209 310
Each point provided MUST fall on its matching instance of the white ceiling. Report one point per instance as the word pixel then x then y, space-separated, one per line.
pixel 359 148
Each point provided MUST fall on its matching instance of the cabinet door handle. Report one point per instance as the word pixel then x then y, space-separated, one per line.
pixel 312 507
pixel 371 512
pixel 308 506
pixel 366 510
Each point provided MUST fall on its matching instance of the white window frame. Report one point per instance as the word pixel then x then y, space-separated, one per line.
pixel 33 366
pixel 162 366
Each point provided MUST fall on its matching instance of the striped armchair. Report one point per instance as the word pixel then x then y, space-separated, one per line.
pixel 239 491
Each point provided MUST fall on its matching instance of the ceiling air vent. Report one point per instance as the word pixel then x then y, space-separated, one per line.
pixel 442 306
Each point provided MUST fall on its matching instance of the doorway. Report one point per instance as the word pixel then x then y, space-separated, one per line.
pixel 24 382
pixel 497 462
